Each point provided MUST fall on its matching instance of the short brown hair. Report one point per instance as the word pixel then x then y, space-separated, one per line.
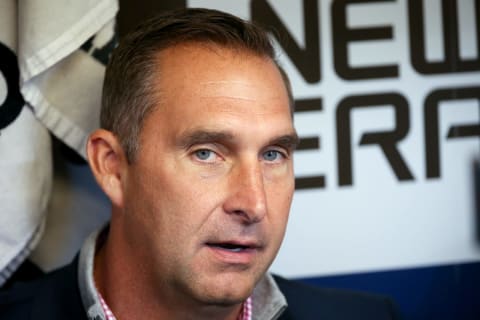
pixel 127 98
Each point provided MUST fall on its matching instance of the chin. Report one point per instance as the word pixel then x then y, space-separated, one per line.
pixel 227 293
pixel 225 300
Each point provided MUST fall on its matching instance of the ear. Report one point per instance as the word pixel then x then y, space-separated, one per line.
pixel 108 163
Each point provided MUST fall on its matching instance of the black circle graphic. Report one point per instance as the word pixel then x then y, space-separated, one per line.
pixel 13 104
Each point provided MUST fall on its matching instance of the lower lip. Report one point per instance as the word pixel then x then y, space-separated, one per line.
pixel 243 257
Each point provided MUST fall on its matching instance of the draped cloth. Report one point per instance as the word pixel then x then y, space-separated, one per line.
pixel 52 62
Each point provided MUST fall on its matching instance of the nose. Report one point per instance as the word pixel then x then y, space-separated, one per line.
pixel 247 199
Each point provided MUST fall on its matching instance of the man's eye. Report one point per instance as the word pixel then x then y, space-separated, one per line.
pixel 205 155
pixel 272 155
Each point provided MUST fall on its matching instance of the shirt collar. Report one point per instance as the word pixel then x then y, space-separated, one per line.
pixel 268 301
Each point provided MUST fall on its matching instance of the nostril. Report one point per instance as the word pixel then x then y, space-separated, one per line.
pixel 238 212
pixel 246 216
pixel 241 213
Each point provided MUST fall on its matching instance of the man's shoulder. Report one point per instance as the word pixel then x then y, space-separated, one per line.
pixel 310 302
pixel 53 296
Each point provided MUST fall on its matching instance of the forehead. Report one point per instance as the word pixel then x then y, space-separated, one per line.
pixel 196 78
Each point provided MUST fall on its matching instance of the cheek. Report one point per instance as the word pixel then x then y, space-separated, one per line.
pixel 185 200
pixel 279 202
pixel 279 183
pixel 168 203
pixel 279 174
pixel 156 199
pixel 200 187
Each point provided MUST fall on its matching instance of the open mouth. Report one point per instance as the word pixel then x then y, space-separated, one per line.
pixel 233 247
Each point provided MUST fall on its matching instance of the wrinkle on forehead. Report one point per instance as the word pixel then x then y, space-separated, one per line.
pixel 235 89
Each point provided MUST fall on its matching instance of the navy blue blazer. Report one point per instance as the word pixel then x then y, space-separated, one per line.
pixel 314 303
pixel 56 296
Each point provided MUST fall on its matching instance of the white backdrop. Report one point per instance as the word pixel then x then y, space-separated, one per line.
pixel 379 222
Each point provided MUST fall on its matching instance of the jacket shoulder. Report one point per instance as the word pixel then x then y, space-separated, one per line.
pixel 310 302
pixel 53 296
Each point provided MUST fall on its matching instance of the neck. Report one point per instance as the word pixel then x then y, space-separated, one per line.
pixel 123 279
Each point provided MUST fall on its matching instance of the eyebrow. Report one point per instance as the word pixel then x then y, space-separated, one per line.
pixel 203 136
pixel 288 141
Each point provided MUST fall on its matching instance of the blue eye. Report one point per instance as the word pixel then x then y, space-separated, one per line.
pixel 271 155
pixel 203 154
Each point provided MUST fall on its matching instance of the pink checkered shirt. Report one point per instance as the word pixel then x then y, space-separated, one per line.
pixel 246 313
pixel 108 313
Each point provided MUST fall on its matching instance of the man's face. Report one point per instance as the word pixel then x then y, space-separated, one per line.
pixel 208 196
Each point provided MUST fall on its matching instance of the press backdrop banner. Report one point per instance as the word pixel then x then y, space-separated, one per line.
pixel 388 110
